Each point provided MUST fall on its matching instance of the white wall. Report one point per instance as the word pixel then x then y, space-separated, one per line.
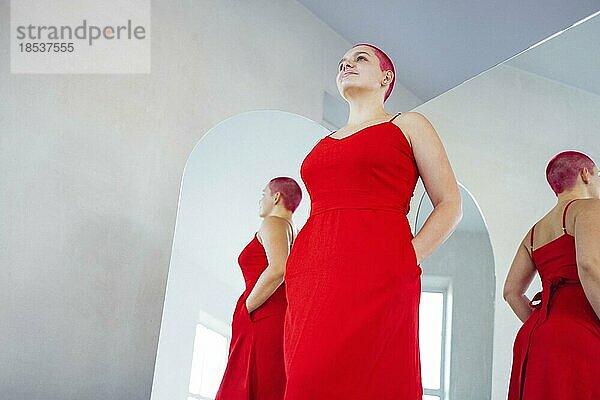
pixel 90 169
pixel 500 129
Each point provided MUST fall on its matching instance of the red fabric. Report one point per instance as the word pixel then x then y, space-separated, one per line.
pixel 352 280
pixel 255 369
pixel 556 354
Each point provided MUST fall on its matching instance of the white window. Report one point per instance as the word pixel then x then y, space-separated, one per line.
pixel 208 363
pixel 434 333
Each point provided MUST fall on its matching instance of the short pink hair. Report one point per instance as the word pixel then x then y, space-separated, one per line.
pixel 289 189
pixel 564 169
pixel 385 63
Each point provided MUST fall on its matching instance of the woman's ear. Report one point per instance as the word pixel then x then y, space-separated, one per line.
pixel 389 75
pixel 585 175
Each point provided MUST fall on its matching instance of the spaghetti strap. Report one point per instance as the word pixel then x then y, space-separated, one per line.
pixel 531 238
pixel 394 117
pixel 292 228
pixel 564 227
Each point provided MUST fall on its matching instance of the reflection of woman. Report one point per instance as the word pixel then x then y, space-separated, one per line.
pixel 352 279
pixel 255 368
pixel 557 351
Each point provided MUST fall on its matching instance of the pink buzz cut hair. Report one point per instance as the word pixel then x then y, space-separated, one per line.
pixel 385 63
pixel 564 169
pixel 289 189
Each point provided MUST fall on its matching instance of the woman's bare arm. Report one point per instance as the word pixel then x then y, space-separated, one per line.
pixel 587 242
pixel 521 273
pixel 276 241
pixel 439 181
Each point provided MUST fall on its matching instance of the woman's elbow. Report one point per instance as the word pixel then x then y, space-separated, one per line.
pixel 277 271
pixel 508 293
pixel 452 206
pixel 505 295
pixel 588 265
pixel 457 212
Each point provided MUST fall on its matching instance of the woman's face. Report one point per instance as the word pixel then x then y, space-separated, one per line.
pixel 266 202
pixel 359 71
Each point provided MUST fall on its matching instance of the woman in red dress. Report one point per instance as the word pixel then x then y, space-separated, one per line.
pixel 352 278
pixel 556 354
pixel 255 369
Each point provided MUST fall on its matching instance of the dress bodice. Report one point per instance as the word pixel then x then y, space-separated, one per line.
pixel 373 168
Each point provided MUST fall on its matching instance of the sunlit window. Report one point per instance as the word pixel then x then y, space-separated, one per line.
pixel 432 341
pixel 208 363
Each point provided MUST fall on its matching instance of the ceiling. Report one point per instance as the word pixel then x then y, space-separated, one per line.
pixel 572 58
pixel 437 45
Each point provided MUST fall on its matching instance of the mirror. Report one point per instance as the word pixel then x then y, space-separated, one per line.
pixel 499 128
pixel 217 216
pixel 461 274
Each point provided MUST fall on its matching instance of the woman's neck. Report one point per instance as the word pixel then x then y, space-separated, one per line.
pixel 575 193
pixel 365 110
pixel 285 214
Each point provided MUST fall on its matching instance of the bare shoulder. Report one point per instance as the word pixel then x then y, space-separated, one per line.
pixel 415 125
pixel 587 207
pixel 412 118
pixel 526 242
pixel 273 224
pixel 274 231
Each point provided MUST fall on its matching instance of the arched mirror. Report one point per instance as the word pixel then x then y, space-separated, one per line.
pixel 457 308
pixel 500 129
pixel 217 216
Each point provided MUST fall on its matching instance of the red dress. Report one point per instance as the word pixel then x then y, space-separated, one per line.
pixel 255 369
pixel 352 279
pixel 556 354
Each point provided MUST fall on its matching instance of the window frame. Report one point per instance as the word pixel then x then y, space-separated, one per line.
pixel 443 285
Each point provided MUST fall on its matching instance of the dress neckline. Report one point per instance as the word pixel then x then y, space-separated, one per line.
pixel 404 138
pixel 358 131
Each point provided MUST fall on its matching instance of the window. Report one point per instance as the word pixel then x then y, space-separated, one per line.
pixel 434 337
pixel 208 363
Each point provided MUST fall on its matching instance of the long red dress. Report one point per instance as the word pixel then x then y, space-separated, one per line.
pixel 352 279
pixel 556 354
pixel 255 368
